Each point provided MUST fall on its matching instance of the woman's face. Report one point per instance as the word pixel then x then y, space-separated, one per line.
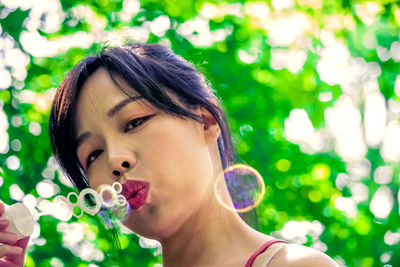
pixel 124 140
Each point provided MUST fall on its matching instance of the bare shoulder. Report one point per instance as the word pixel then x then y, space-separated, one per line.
pixel 301 256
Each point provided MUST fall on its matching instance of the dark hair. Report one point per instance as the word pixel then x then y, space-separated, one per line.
pixel 153 71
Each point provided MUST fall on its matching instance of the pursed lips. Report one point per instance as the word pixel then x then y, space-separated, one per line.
pixel 135 192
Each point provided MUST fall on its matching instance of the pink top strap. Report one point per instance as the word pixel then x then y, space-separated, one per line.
pixel 262 249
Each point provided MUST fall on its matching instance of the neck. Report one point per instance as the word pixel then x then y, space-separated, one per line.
pixel 209 237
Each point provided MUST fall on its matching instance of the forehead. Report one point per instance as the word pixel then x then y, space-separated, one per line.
pixel 100 87
pixel 98 95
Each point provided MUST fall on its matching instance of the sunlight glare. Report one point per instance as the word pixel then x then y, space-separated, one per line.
pixel 297 231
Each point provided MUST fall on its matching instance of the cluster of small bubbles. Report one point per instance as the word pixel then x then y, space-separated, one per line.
pixel 114 206
pixel 108 203
pixel 239 188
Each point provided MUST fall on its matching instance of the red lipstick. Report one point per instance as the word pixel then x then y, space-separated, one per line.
pixel 135 192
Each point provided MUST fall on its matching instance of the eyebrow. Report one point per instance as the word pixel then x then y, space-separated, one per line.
pixel 122 104
pixel 83 137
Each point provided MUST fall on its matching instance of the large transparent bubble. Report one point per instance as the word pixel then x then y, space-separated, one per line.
pixel 239 188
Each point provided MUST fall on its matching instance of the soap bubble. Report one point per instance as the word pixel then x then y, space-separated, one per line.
pixel 245 186
pixel 115 213
pixel 89 201
pixel 117 187
pixel 108 195
pixel 114 206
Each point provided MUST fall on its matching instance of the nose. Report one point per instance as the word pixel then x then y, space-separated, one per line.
pixel 120 164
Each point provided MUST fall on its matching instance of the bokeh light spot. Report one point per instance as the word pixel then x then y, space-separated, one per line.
pixel 5 79
pixel 383 174
pixel 321 171
pixel 315 196
pixel 16 193
pixel 16 145
pixel 35 128
pixel 46 188
pixel 13 162
pixel 283 165
pixel 382 202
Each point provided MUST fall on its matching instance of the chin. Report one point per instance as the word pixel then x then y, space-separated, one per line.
pixel 153 228
pixel 152 231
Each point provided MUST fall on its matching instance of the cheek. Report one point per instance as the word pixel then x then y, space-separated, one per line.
pixel 98 174
pixel 182 167
pixel 180 150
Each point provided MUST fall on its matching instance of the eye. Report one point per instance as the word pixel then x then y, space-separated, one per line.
pixel 136 123
pixel 92 157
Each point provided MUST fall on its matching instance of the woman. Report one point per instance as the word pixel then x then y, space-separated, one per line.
pixel 143 116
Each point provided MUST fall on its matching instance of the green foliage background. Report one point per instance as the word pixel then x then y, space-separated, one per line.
pixel 257 97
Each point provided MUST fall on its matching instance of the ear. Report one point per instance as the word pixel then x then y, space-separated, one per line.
pixel 210 126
